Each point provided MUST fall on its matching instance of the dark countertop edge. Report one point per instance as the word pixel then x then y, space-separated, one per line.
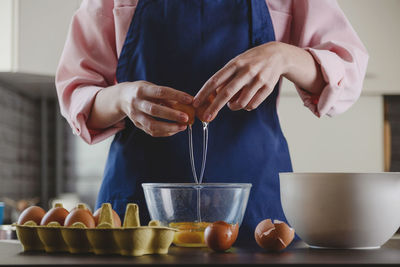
pixel 390 250
pixel 183 264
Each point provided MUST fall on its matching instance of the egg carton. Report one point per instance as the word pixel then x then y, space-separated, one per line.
pixel 129 240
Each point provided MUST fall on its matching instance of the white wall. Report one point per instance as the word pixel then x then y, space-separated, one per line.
pixel 88 162
pixel 6 34
pixel 33 34
pixel 43 27
pixel 352 141
pixel 377 23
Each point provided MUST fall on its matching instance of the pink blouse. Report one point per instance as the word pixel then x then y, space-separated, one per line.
pixel 97 33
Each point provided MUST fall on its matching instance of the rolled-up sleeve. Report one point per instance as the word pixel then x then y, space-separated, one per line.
pixel 87 65
pixel 321 27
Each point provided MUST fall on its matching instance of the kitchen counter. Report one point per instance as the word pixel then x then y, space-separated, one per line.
pixel 296 254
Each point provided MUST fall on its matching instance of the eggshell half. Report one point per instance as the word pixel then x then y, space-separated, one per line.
pixel 273 236
pixel 285 233
pixel 200 110
pixel 188 109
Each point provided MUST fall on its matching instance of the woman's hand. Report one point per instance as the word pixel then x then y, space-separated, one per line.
pixel 142 102
pixel 248 79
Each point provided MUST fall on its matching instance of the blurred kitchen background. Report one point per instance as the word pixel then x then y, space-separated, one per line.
pixel 41 161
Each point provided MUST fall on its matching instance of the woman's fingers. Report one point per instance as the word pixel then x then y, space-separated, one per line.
pixel 264 91
pixel 163 93
pixel 246 94
pixel 145 102
pixel 157 128
pixel 259 97
pixel 218 79
pixel 226 94
pixel 161 111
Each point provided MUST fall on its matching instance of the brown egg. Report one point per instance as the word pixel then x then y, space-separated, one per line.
pixel 117 220
pixel 220 236
pixel 80 214
pixel 56 214
pixel 188 109
pixel 33 213
pixel 81 206
pixel 273 236
pixel 200 110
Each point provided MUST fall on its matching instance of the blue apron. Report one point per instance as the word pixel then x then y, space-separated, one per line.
pixel 181 44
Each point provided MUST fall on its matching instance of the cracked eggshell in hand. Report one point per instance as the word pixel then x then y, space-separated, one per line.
pixel 273 236
pixel 201 110
pixel 188 109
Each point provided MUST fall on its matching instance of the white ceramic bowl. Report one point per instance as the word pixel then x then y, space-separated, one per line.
pixel 342 210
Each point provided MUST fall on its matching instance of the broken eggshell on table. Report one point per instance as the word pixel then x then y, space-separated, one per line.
pixel 105 238
pixel 273 236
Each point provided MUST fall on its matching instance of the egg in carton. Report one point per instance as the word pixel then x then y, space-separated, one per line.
pixel 39 230
pixel 49 231
pixel 74 232
pixel 80 235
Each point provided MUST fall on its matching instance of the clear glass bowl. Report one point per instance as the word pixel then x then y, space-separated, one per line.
pixel 191 207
